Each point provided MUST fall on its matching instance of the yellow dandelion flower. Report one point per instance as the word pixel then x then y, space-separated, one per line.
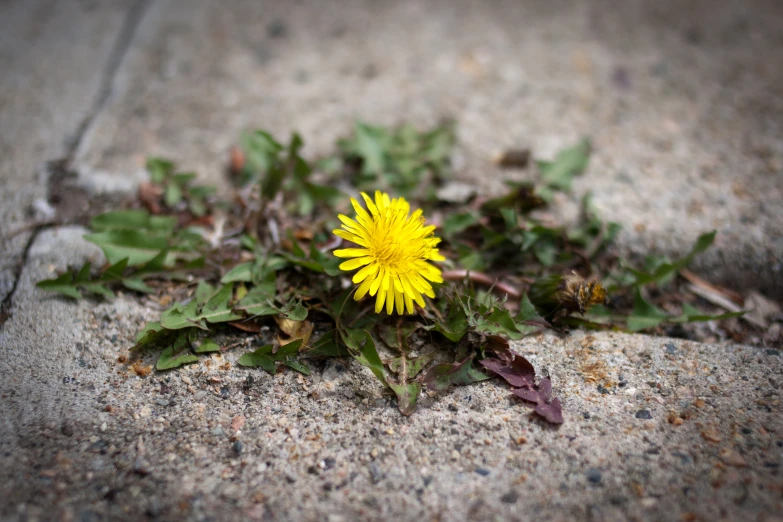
pixel 394 249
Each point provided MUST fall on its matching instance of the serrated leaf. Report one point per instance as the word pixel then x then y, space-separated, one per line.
pixel 176 355
pixel 217 309
pixel 83 275
pixel 370 147
pixel 137 246
pixel 441 377
pixel 259 301
pixel 99 289
pixel 62 284
pixel 182 316
pixel 644 315
pixel 115 272
pixel 665 270
pixel 197 313
pixel 499 321
pixel 294 310
pixel 137 285
pixel 413 366
pixel 568 163
pixel 454 327
pixel 396 335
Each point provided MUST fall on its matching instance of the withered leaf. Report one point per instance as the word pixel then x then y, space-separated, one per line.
pixel 499 346
pixel 517 372
pixel 541 396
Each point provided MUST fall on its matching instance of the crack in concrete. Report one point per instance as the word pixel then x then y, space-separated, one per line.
pixel 119 51
pixel 117 55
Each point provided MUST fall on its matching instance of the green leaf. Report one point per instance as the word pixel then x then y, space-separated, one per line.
pixel 262 153
pixel 99 289
pixel 456 223
pixel 159 169
pixel 365 354
pixel 63 284
pixel 259 358
pixel 208 346
pixel 137 285
pixel 526 310
pixel 242 272
pixel 499 321
pixel 137 246
pixel 567 164
pixel 454 327
pixel 692 315
pixel 369 145
pixel 259 300
pixel 294 310
pixel 176 355
pixel 150 333
pixel 413 366
pixel 182 316
pixel 326 346
pixel 298 366
pixel 135 219
pixel 665 270
pixel 441 377
pixel 644 315
pixel 407 395
pixel 217 309
pixel 204 291
pixel 172 195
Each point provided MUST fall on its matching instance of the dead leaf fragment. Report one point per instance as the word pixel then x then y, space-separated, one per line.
pixel 294 330
pixel 246 326
pixel 140 369
pixel 512 158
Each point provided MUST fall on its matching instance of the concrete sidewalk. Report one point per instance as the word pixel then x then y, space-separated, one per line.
pixel 684 105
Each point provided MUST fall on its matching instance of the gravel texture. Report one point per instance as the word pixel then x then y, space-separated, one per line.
pixel 655 429
pixel 683 105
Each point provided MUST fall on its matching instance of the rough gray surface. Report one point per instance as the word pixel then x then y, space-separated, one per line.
pixel 680 101
pixel 683 101
pixel 53 57
pixel 84 436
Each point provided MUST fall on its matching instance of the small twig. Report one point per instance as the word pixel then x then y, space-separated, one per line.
pixel 434 308
pixel 482 279
pixel 698 281
pixel 273 231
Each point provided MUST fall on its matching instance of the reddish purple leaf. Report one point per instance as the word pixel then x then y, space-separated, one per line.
pixel 541 397
pixel 551 411
pixel 519 373
pixel 499 346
